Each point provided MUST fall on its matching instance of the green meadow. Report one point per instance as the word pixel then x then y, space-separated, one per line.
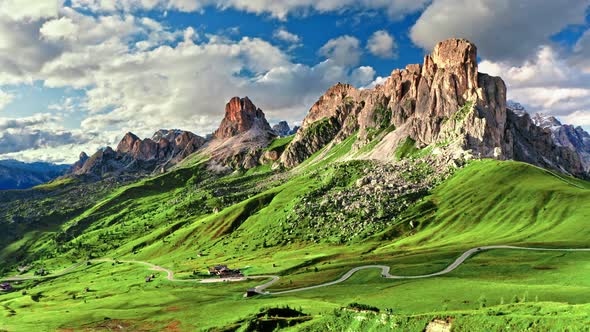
pixel 188 220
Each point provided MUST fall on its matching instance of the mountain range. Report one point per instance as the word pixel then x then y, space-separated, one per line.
pixel 426 203
pixel 444 105
pixel 19 175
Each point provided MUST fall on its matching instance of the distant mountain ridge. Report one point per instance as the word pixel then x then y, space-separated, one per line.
pixel 572 137
pixel 20 175
pixel 140 156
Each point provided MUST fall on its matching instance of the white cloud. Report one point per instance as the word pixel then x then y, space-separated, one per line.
pixel 503 30
pixel 548 84
pixel 379 80
pixel 186 84
pixel 41 137
pixel 344 50
pixel 285 35
pixel 362 76
pixel 32 10
pixel 31 121
pixel 382 44
pixel 62 28
pixel 5 99
pixel 580 118
pixel 277 8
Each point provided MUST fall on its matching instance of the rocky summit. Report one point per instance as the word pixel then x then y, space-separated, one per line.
pixel 444 104
pixel 242 135
pixel 444 101
pixel 282 129
pixel 241 116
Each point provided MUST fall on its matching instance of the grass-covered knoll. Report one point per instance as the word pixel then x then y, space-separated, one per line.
pixel 279 143
pixel 52 185
pixel 492 201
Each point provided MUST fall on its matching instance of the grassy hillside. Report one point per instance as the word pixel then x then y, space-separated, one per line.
pixel 267 222
pixel 500 202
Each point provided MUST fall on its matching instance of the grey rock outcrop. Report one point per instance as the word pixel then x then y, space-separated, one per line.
pixel 79 164
pixel 535 145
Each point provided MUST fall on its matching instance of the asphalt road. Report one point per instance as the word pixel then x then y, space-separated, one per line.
pixel 261 289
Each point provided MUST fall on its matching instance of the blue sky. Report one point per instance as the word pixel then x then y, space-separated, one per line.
pixel 77 75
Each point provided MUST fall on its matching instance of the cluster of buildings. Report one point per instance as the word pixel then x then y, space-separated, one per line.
pixel 225 272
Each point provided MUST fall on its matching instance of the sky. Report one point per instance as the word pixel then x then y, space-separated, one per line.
pixel 76 75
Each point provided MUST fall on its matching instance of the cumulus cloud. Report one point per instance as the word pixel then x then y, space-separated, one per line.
pixel 503 30
pixel 362 76
pixel 41 138
pixel 277 8
pixel 62 28
pixel 32 10
pixel 23 123
pixel 548 83
pixel 141 76
pixel 32 132
pixel 11 141
pixel 379 80
pixel 190 83
pixel 5 99
pixel 284 35
pixel 382 44
pixel 344 50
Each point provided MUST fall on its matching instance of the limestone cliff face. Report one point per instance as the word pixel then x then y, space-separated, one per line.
pixel 444 101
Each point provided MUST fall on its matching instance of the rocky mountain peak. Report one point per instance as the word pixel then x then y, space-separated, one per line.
pixel 282 129
pixel 241 115
pixel 455 53
pixel 443 100
pixel 545 121
pixel 80 163
pixel 444 104
pixel 574 139
pixel 127 142
pixel 141 156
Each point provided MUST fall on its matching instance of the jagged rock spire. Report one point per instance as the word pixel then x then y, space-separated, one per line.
pixel 241 115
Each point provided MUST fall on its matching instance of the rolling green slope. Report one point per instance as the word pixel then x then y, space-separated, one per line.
pixel 500 202
pixel 189 219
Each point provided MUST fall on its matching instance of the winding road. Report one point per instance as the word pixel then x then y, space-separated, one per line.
pixel 261 289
